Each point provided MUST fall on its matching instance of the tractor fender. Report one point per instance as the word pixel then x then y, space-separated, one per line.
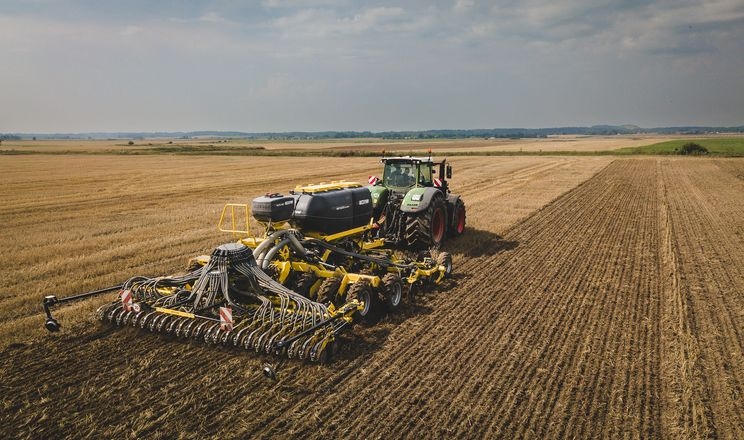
pixel 418 199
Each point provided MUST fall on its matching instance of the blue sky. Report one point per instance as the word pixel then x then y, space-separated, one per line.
pixel 274 65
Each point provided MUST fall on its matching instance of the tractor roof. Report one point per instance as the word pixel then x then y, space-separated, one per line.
pixel 407 159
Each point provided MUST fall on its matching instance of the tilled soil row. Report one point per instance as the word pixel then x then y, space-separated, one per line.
pixel 703 302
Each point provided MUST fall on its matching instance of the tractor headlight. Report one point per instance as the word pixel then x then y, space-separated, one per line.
pixel 417 197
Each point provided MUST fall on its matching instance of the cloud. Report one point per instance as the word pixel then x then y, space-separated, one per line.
pixel 130 30
pixel 213 17
pixel 287 87
pixel 326 23
pixel 293 4
pixel 463 5
pixel 415 63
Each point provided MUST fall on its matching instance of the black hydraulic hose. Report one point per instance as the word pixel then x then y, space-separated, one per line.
pixel 381 262
pixel 206 309
pixel 346 253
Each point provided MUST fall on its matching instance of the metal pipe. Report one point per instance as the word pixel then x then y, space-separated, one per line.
pixel 50 301
pixel 265 244
pixel 270 254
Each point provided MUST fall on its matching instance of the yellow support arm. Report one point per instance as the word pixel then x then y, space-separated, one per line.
pixel 175 312
pixel 321 187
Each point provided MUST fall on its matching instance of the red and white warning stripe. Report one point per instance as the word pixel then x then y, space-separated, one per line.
pixel 373 180
pixel 438 182
pixel 126 300
pixel 226 319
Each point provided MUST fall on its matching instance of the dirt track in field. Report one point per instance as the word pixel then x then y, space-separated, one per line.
pixel 616 310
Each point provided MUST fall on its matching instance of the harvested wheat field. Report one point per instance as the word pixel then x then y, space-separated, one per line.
pixel 592 298
pixel 557 143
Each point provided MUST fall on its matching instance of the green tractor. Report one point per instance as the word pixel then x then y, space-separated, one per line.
pixel 412 203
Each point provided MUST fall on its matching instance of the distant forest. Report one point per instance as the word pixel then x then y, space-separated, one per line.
pixel 413 134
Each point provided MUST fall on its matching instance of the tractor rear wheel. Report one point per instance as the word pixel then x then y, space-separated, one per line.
pixel 427 229
pixel 458 223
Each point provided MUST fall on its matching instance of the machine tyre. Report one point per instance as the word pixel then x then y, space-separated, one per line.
pixel 427 229
pixel 445 259
pixel 458 219
pixel 304 283
pixel 328 290
pixel 362 291
pixel 393 290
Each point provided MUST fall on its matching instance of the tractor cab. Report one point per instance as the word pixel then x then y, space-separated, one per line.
pixel 400 174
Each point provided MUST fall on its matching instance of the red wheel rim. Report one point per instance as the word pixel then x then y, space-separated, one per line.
pixel 460 219
pixel 437 225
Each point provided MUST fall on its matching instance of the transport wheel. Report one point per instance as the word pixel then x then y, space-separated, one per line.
pixel 393 290
pixel 304 283
pixel 328 290
pixel 362 291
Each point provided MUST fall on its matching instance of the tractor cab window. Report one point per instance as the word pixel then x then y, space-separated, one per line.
pixel 424 174
pixel 399 174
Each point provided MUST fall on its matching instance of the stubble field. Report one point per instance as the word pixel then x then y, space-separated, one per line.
pixel 549 144
pixel 593 297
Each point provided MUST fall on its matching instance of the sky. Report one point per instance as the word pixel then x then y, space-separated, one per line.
pixel 315 65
